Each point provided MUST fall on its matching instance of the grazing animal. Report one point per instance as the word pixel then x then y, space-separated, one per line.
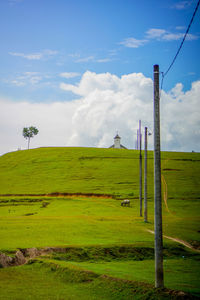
pixel 125 202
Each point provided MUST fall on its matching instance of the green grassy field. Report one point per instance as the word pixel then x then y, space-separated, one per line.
pixel 76 170
pixel 31 218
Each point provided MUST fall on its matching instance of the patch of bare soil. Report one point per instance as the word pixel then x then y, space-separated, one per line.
pixel 22 256
pixel 57 194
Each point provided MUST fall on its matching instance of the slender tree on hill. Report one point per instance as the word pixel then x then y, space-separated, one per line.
pixel 29 132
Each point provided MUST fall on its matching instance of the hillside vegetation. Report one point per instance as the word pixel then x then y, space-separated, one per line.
pixel 73 170
pixel 93 170
pixel 70 198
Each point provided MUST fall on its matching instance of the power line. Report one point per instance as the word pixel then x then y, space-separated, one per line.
pixel 181 45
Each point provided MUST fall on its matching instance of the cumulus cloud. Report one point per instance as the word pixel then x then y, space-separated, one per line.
pixel 181 118
pixel 107 103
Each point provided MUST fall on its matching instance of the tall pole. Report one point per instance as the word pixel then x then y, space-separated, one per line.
pixel 145 175
pixel 140 147
pixel 159 280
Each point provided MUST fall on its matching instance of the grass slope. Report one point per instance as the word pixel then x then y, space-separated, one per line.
pixel 58 280
pixel 76 170
pixel 42 221
pixel 96 171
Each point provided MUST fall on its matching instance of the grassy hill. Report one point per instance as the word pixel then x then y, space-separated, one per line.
pixel 93 170
pixel 70 197
pixel 73 170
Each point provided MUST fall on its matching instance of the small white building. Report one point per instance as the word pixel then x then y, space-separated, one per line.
pixel 117 143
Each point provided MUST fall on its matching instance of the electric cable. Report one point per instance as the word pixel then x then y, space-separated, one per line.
pixel 181 45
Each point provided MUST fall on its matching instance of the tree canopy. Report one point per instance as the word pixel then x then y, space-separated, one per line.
pixel 29 132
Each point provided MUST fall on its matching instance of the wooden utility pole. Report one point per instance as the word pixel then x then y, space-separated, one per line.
pixel 140 147
pixel 145 175
pixel 159 280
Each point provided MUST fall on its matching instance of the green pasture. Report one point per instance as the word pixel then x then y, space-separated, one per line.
pixel 53 279
pixel 95 170
pixel 69 221
pixel 180 273
pixel 71 170
pixel 47 221
pixel 31 218
pixel 48 281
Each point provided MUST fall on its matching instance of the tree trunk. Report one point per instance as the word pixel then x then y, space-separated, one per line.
pixel 28 142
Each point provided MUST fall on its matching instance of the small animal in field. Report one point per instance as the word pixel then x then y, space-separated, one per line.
pixel 125 202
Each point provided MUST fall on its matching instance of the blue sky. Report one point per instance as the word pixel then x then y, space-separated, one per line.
pixel 81 70
pixel 42 39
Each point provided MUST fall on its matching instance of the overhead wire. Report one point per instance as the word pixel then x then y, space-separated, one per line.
pixel 181 45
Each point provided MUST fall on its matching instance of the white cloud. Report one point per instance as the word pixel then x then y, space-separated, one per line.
pixel 172 36
pixel 182 5
pixel 106 103
pixel 133 43
pixel 85 59
pixel 49 52
pixel 180 27
pixel 91 58
pixel 26 78
pixel 18 82
pixel 178 36
pixel 164 35
pixel 69 74
pixel 12 2
pixel 35 56
pixel 191 37
pixel 155 33
pixel 103 60
pixel 181 118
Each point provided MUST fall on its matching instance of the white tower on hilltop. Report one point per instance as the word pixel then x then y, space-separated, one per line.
pixel 117 143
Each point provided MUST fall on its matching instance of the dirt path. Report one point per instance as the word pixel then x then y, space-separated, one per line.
pixel 186 244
